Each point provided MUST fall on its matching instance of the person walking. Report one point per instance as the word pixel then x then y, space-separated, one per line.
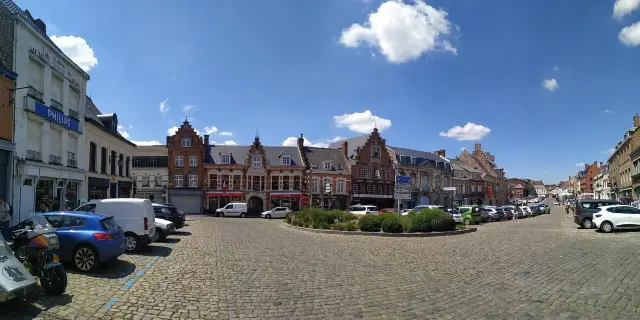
pixel 5 214
pixel 515 214
pixel 566 209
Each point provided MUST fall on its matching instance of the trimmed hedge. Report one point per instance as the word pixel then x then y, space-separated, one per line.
pixel 427 220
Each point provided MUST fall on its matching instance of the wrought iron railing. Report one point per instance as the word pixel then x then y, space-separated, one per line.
pixel 53 159
pixel 56 105
pixel 35 93
pixel 74 114
pixel 33 155
pixel 71 160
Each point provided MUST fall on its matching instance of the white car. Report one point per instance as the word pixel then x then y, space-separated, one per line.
pixel 364 209
pixel 405 212
pixel 526 211
pixel 277 212
pixel 163 228
pixel 608 218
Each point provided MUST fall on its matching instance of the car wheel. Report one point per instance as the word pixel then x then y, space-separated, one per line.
pixel 132 243
pixel 587 223
pixel 243 215
pixel 85 259
pixel 161 235
pixel 467 222
pixel 268 216
pixel 606 227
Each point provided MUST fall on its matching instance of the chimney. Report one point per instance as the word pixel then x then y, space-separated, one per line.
pixel 301 141
pixel 206 140
pixel 345 151
pixel 41 25
pixel 168 141
pixel 442 153
pixel 586 166
pixel 478 147
pixel 636 121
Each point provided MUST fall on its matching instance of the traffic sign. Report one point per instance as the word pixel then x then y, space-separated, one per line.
pixel 304 202
pixel 402 196
pixel 403 180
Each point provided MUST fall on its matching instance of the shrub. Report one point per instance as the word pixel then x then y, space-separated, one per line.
pixel 442 221
pixel 428 220
pixel 420 221
pixel 351 225
pixel 317 218
pixel 391 224
pixel 370 223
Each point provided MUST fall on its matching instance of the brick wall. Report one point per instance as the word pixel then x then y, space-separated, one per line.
pixel 197 148
pixel 6 108
pixel 6 38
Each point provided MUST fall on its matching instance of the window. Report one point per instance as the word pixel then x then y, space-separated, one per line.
pixel 256 161
pixel 213 181
pixel 193 161
pixel 120 164
pixel 87 208
pixel 179 162
pixel 136 162
pixel 296 182
pixel 341 186
pixel 34 132
pixel 193 181
pixel 153 162
pixel 186 142
pixel 315 185
pixel 326 165
pixel 286 182
pixel 326 185
pixel 375 152
pixel 363 173
pixel 355 188
pixel 103 160
pixel 127 166
pixel 113 160
pixel 235 183
pixel 93 154
pixel 275 182
pixel 338 166
pixel 226 158
pixel 286 160
pixel 178 181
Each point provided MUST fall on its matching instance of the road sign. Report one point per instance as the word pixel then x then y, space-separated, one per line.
pixel 402 196
pixel 304 202
pixel 403 180
pixel 327 188
pixel 449 188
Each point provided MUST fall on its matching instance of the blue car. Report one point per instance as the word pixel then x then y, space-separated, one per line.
pixel 86 239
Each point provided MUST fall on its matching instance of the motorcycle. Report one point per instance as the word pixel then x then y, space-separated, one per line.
pixel 34 244
pixel 15 282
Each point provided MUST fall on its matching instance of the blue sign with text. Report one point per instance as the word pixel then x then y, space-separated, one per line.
pixel 57 117
pixel 403 180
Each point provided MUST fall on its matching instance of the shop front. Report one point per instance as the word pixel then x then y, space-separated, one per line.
pixel 190 201
pixel 124 189
pixel 6 160
pixel 98 188
pixel 338 202
pixel 219 199
pixel 379 200
pixel 290 200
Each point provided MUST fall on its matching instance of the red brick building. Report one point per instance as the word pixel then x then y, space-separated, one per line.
pixel 186 172
pixel 371 168
pixel 516 188
pixel 328 176
pixel 261 176
pixel 586 180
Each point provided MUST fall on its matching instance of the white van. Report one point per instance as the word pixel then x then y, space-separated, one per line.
pixel 234 209
pixel 134 216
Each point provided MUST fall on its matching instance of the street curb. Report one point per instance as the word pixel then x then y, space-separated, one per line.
pixel 384 234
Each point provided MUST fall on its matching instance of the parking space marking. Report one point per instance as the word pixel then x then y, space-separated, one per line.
pixel 111 303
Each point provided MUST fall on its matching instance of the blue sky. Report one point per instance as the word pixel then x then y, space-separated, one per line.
pixel 291 67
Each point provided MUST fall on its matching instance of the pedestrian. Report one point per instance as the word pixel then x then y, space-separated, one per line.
pixel 515 214
pixel 5 214
pixel 566 209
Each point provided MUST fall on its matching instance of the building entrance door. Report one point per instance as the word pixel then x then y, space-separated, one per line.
pixel 256 206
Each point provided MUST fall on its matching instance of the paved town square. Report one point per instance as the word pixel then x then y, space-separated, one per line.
pixel 227 268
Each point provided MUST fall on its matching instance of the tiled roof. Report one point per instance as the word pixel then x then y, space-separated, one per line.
pixel 352 144
pixel 466 166
pixel 14 9
pixel 316 156
pixel 239 154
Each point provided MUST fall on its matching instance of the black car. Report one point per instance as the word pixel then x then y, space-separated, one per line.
pixel 169 212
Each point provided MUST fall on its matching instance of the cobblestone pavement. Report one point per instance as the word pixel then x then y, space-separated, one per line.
pixel 221 268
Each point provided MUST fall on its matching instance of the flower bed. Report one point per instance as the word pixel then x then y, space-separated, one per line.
pixel 424 221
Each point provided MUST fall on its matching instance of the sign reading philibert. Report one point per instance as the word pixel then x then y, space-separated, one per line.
pixel 57 117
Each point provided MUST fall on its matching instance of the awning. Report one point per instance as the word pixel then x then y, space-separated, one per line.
pixel 224 194
pixel 286 195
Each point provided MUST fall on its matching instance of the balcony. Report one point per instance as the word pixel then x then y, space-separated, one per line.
pixel 35 93
pixel 74 114
pixel 33 155
pixel 55 159
pixel 56 105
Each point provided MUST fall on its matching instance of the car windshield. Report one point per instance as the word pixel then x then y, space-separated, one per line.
pixel 36 222
pixel 454 211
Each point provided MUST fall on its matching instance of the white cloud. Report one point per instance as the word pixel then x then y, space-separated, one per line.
pixel 580 164
pixel 210 130
pixel 77 49
pixel 293 142
pixel 361 122
pixel 123 132
pixel 164 106
pixel 225 134
pixel 187 108
pixel 607 111
pixel 402 32
pixel 550 84
pixel 470 131
pixel 609 151
pixel 630 35
pixel 622 8
pixel 336 139
pixel 556 68
pixel 463 148
pixel 147 143
pixel 228 142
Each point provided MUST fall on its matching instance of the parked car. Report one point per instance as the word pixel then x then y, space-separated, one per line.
pixel 585 210
pixel 526 211
pixel 609 218
pixel 427 206
pixel 164 228
pixel 545 208
pixel 405 212
pixel 388 210
pixel 496 214
pixel 364 209
pixel 169 212
pixel 484 213
pixel 508 211
pixel 456 215
pixel 134 216
pixel 470 214
pixel 277 212
pixel 87 239
pixel 234 209
pixel 535 210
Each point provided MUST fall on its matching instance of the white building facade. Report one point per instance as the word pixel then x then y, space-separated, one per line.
pixel 49 123
pixel 108 156
pixel 601 185
pixel 150 170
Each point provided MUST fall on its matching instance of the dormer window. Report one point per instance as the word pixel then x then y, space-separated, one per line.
pixel 326 165
pixel 286 160
pixel 338 166
pixel 186 142
pixel 257 162
pixel 225 158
